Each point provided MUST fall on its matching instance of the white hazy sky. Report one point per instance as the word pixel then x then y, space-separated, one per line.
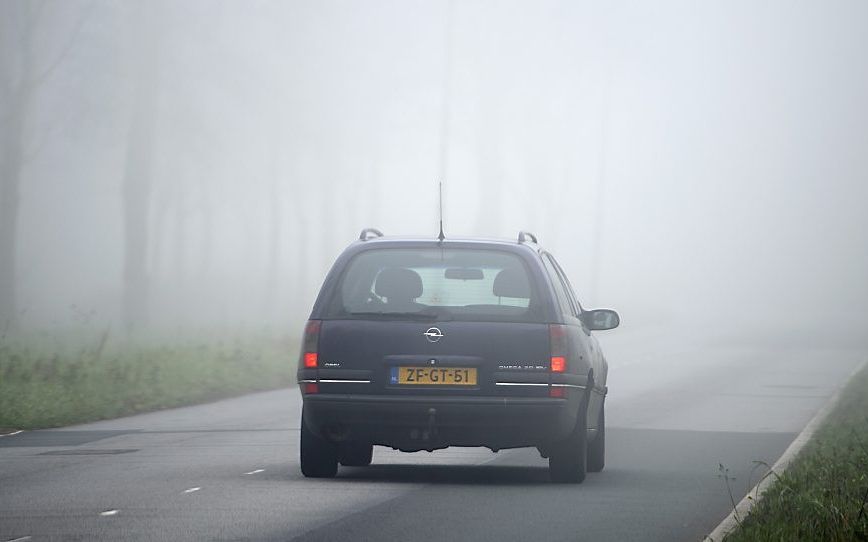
pixel 718 149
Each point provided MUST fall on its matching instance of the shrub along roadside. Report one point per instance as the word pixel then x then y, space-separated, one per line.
pixel 46 382
pixel 823 495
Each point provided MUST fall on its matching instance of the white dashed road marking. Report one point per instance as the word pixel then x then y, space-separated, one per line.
pixel 192 490
pixel 257 471
pixel 108 513
pixel 23 538
pixel 9 435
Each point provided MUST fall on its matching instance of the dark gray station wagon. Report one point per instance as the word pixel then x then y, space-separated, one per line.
pixel 422 344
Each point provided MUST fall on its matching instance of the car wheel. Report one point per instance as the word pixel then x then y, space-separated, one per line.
pixel 356 454
pixel 597 447
pixel 319 457
pixel 568 461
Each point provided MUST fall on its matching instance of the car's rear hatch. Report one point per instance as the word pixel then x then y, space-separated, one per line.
pixel 395 356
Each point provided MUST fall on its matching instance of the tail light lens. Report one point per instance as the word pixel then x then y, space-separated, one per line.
pixel 559 364
pixel 309 344
pixel 558 345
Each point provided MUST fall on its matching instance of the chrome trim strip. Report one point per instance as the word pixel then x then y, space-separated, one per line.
pixel 568 386
pixel 520 384
pixel 340 381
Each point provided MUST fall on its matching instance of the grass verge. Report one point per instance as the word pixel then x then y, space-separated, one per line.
pixel 51 382
pixel 823 495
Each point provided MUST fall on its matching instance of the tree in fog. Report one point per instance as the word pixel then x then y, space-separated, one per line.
pixel 26 64
pixel 15 66
pixel 138 164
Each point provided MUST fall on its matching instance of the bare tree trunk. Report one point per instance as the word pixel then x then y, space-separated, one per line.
pixel 20 77
pixel 491 186
pixel 273 292
pixel 301 261
pixel 10 180
pixel 138 170
pixel 16 76
pixel 206 240
pixel 179 230
pixel 275 244
pixel 136 205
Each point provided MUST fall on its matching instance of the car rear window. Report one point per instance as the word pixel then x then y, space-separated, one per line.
pixel 462 284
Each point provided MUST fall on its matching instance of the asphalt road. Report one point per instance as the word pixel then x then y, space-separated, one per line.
pixel 229 470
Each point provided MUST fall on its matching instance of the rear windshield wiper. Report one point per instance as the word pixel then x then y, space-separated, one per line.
pixel 397 315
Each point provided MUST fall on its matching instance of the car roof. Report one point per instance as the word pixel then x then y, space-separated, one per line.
pixel 452 242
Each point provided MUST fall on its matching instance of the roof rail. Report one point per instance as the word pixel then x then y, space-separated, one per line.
pixel 524 235
pixel 373 231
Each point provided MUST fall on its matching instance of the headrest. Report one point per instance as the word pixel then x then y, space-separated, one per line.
pixel 511 283
pixel 397 283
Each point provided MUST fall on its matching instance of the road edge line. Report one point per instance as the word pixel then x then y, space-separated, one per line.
pixel 746 504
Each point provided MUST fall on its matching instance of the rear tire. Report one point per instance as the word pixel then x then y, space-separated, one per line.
pixel 568 461
pixel 597 447
pixel 356 454
pixel 319 457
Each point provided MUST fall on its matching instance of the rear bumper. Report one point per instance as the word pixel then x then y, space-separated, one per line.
pixel 413 423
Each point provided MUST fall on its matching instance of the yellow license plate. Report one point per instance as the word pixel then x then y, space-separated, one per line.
pixel 434 376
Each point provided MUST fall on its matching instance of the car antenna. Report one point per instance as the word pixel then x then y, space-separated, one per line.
pixel 441 237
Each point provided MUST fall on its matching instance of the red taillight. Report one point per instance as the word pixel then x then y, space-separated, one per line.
pixel 559 364
pixel 309 344
pixel 557 391
pixel 558 346
pixel 311 387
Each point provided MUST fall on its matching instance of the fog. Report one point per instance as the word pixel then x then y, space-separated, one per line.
pixel 171 165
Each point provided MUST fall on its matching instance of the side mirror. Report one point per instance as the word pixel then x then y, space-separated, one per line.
pixel 601 319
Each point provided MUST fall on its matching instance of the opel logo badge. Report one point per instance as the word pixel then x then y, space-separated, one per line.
pixel 433 334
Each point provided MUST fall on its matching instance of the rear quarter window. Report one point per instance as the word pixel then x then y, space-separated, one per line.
pixel 564 299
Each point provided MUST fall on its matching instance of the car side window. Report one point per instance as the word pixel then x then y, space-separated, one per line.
pixel 560 290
